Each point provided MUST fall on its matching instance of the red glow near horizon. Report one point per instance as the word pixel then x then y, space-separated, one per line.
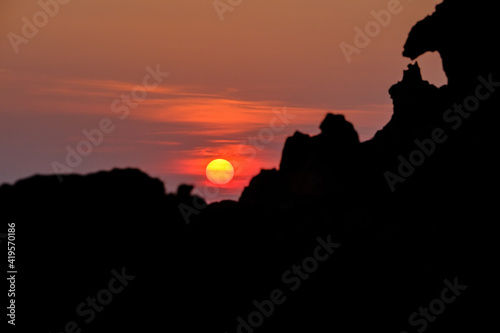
pixel 225 86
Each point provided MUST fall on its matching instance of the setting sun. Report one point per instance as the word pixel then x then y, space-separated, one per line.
pixel 220 171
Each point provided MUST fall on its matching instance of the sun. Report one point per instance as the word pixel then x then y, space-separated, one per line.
pixel 220 171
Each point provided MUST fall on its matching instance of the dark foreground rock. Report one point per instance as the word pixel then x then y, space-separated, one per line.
pixel 394 234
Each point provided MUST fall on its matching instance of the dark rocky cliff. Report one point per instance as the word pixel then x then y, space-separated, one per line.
pixel 407 210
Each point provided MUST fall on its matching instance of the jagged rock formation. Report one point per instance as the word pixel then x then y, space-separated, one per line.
pixel 309 167
pixel 411 111
pixel 337 136
pixel 410 208
pixel 464 34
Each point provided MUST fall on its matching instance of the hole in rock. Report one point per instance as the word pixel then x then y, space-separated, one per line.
pixel 431 67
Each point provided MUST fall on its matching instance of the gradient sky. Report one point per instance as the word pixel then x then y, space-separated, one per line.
pixel 228 79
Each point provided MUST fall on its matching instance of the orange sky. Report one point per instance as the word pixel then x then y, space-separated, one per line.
pixel 227 80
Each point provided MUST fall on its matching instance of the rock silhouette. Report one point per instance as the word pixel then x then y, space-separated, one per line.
pixel 407 210
pixel 309 166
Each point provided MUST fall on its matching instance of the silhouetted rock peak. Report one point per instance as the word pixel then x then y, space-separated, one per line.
pixel 407 94
pixel 337 134
pixel 310 166
pixel 415 102
pixel 339 130
pixel 295 150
